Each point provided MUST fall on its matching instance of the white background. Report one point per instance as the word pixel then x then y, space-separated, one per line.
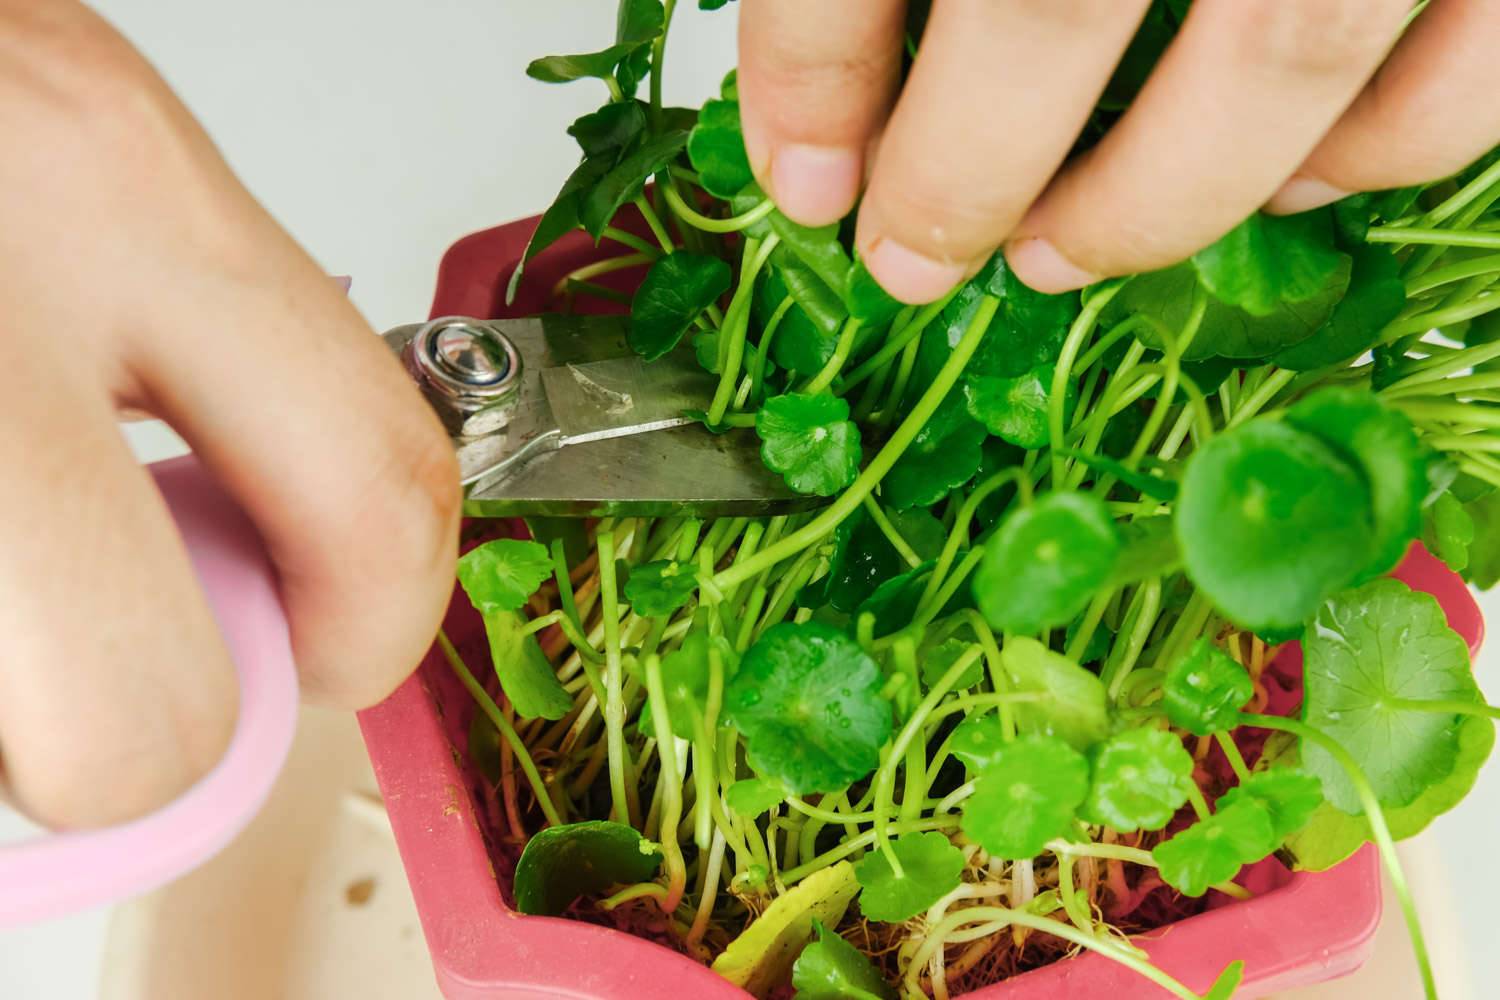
pixel 378 132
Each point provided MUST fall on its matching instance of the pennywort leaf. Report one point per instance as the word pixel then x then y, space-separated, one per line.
pixel 626 179
pixel 1045 562
pixel 585 65
pixel 609 131
pixel 1268 260
pixel 1271 520
pixel 1141 778
pixel 501 575
pixel 810 441
pixel 1289 798
pixel 685 676
pixel 1205 690
pixel 749 797
pixel 1448 531
pixel 930 867
pixel 562 863
pixel 1213 849
pixel 1026 794
pixel 716 149
pixel 1016 408
pixel 831 968
pixel 1375 297
pixel 1371 653
pixel 1071 702
pixel 1382 444
pixel 676 289
pixel 807 700
pixel 526 676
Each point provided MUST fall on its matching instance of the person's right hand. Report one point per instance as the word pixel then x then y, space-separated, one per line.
pixel 136 272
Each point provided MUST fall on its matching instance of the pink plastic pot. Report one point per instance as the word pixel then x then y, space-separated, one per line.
pixel 1299 929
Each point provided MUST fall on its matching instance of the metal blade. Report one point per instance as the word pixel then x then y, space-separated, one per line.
pixel 596 400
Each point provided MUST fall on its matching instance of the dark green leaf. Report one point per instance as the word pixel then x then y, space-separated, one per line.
pixel 818 248
pixel 632 69
pixel 1270 260
pixel 810 441
pixel 1016 408
pixel 863 558
pixel 831 968
pixel 676 289
pixel 501 575
pixel 1351 220
pixel 1382 444
pixel 1072 705
pixel 821 304
pixel 1376 296
pixel 639 21
pixel 1141 778
pixel 930 866
pixel 941 458
pixel 1026 794
pixel 610 130
pixel 1045 562
pixel 1484 553
pixel 807 700
pixel 936 660
pixel 712 4
pixel 1368 648
pixel 1205 690
pixel 626 179
pixel 685 674
pixel 562 863
pixel 585 65
pixel 716 148
pixel 1271 521
pixel 1027 331
pixel 1213 849
pixel 867 301
pixel 560 218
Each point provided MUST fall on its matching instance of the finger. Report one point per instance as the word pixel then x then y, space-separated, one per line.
pixel 815 81
pixel 997 95
pixel 260 362
pixel 1429 112
pixel 1238 100
pixel 116 692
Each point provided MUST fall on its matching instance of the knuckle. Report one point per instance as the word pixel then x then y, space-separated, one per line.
pixel 946 221
pixel 413 504
pixel 1314 37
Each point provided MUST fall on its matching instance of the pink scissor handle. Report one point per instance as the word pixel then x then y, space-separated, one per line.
pixel 73 870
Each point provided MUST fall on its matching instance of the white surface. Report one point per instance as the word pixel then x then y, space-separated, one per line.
pixel 377 132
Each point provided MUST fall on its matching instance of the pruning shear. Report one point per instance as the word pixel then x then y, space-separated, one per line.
pixel 549 416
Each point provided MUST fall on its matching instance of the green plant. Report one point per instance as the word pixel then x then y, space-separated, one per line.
pixel 1009 668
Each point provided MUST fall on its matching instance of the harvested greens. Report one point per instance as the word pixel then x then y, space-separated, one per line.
pixel 1008 694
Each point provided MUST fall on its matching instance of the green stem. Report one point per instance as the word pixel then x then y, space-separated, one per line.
pixel 877 514
pixel 1233 755
pixel 1464 197
pixel 632 241
pixel 1437 237
pixel 497 717
pixel 763 349
pixel 1077 335
pixel 737 325
pixel 1375 816
pixel 671 782
pixel 865 484
pixel 1264 393
pixel 733 224
pixel 1461 271
pixel 1439 318
pixel 614 682
pixel 658 55
pixel 898 341
pixel 657 229
pixel 835 363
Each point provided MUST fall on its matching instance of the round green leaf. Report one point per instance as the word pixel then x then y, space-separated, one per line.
pixel 749 797
pixel 1045 562
pixel 1382 444
pixel 1376 296
pixel 1072 699
pixel 501 575
pixel 943 456
pixel 807 700
pixel 678 287
pixel 1368 649
pixel 611 129
pixel 1026 794
pixel 1141 778
pixel 1205 690
pixel 930 867
pixel 716 148
pixel 1016 408
pixel 1289 797
pixel 1213 850
pixel 1271 521
pixel 831 968
pixel 660 588
pixel 1449 531
pixel 976 740
pixel 685 673
pixel 562 863
pixel 1268 260
pixel 810 441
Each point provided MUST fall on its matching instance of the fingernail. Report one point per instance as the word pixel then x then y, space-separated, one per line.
pixel 1039 265
pixel 910 276
pixel 815 185
pixel 1302 194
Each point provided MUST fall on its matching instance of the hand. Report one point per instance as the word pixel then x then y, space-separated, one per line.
pixel 135 272
pixel 1286 104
